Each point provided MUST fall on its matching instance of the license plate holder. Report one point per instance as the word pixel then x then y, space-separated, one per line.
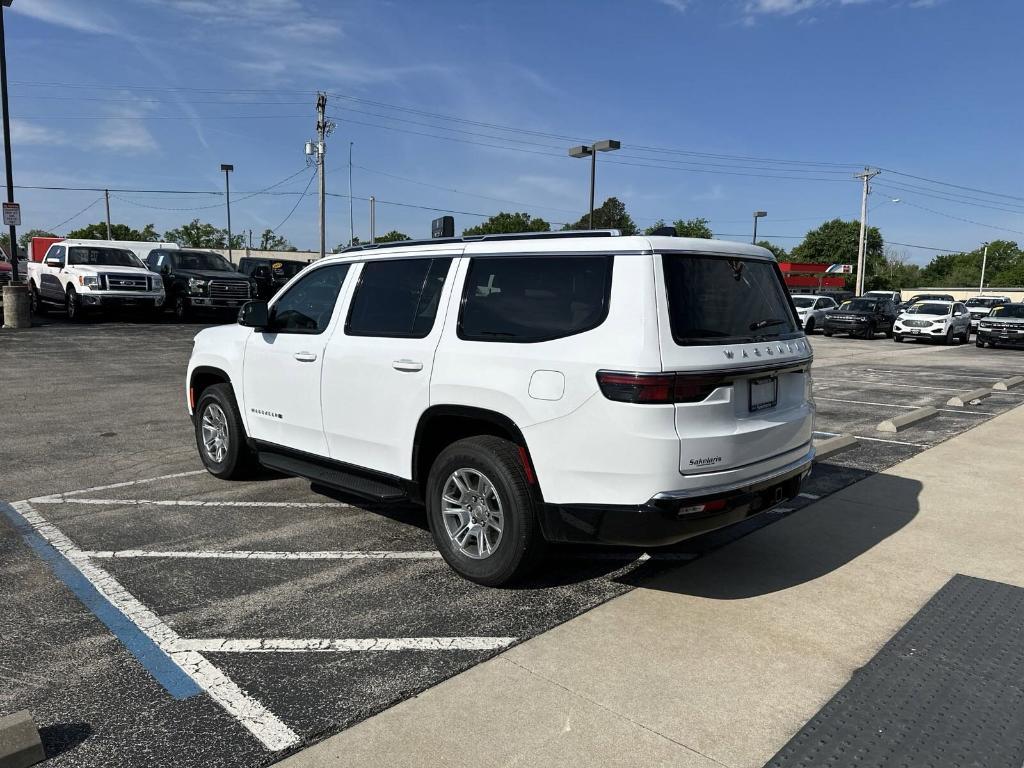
pixel 763 393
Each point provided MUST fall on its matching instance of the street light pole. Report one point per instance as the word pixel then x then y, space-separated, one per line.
pixel 984 263
pixel 757 215
pixel 7 138
pixel 228 168
pixel 607 145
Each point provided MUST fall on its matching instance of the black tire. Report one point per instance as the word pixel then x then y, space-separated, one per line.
pixel 826 333
pixel 809 328
pixel 979 343
pixel 520 544
pixel 870 331
pixel 948 340
pixel 897 338
pixel 35 303
pixel 182 309
pixel 966 338
pixel 891 332
pixel 238 460
pixel 73 306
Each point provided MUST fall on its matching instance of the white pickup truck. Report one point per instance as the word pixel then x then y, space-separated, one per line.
pixel 83 276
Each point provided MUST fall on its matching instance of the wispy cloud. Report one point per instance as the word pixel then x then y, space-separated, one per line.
pixel 755 8
pixel 123 131
pixel 24 132
pixel 676 5
pixel 81 17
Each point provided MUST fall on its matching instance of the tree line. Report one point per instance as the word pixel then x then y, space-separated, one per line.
pixel 833 242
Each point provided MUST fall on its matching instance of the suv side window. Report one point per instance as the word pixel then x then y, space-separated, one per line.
pixel 307 306
pixel 523 299
pixel 155 260
pixel 397 298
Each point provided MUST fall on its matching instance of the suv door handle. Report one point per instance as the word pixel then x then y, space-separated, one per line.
pixel 407 365
pixel 305 357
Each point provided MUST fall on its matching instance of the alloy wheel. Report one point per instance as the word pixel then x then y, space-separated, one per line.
pixel 472 513
pixel 215 433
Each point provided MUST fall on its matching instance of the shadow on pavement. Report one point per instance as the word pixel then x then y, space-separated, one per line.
pixel 802 547
pixel 63 737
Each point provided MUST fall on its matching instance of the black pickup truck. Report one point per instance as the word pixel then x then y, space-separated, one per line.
pixel 200 281
pixel 270 275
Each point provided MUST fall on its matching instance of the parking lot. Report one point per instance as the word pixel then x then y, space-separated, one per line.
pixel 297 612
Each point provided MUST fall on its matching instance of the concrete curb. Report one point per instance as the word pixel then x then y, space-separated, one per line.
pixel 1005 384
pixel 832 445
pixel 20 745
pixel 896 423
pixel 961 400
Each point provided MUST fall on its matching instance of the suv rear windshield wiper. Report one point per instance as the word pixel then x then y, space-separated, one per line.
pixel 766 322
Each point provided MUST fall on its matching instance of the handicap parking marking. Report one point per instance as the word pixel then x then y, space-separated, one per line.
pixel 142 632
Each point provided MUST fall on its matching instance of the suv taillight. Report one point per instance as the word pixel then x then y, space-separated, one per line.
pixel 658 388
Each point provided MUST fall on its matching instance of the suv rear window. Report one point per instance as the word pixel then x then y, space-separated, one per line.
pixel 523 299
pixel 720 300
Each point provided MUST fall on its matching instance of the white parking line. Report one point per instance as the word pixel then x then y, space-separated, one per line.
pixel 875 440
pixel 342 645
pixel 58 499
pixel 128 483
pixel 811 496
pixel 908 407
pixel 242 554
pixel 910 386
pixel 256 718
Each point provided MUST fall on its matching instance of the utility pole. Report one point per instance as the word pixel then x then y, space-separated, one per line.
pixel 865 177
pixel 351 222
pixel 984 263
pixel 323 130
pixel 106 195
pixel 7 140
pixel 228 168
pixel 373 219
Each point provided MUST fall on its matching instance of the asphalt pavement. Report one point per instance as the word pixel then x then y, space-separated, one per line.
pixel 319 610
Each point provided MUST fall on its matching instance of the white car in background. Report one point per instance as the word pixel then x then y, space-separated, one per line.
pixel 811 309
pixel 939 320
pixel 982 306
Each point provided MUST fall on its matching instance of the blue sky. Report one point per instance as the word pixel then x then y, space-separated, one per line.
pixel 156 94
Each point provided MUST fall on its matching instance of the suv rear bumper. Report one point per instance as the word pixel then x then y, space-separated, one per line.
pixel 672 516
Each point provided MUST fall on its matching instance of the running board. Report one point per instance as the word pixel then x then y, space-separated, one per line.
pixel 342 480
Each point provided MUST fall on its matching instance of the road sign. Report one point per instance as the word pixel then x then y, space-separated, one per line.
pixel 842 269
pixel 12 215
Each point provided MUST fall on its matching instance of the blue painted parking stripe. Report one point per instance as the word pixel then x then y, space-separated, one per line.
pixel 156 662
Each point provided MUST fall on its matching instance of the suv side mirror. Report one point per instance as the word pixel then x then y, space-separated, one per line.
pixel 54 261
pixel 254 314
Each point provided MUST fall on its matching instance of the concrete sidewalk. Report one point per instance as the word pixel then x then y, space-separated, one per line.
pixel 721 661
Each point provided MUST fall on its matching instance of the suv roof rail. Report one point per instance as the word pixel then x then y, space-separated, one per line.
pixel 490 238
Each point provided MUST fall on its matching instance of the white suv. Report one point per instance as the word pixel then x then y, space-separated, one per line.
pixel 566 387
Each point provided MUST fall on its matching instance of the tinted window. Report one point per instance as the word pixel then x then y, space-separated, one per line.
pixel 201 260
pixel 397 297
pixel 1009 310
pixel 55 252
pixel 534 298
pixel 307 306
pixel 104 257
pixel 716 299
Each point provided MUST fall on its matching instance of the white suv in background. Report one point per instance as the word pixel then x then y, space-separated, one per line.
pixel 566 387
pixel 811 309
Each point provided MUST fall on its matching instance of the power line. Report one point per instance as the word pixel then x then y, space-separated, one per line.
pixel 70 218
pixel 302 197
pixel 955 186
pixel 968 221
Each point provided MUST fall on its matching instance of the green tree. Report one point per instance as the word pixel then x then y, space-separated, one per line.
pixel 98 231
pixel 509 223
pixel 271 241
pixel 1004 267
pixel 611 215
pixel 684 228
pixel 778 250
pixel 836 242
pixel 393 236
pixel 200 234
pixel 25 239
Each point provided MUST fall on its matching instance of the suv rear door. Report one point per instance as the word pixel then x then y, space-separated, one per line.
pixel 728 329
pixel 377 366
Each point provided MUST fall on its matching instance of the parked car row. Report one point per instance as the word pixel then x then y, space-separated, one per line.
pixel 935 316
pixel 91 276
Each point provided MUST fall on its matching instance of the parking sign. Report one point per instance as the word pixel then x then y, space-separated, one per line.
pixel 12 215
